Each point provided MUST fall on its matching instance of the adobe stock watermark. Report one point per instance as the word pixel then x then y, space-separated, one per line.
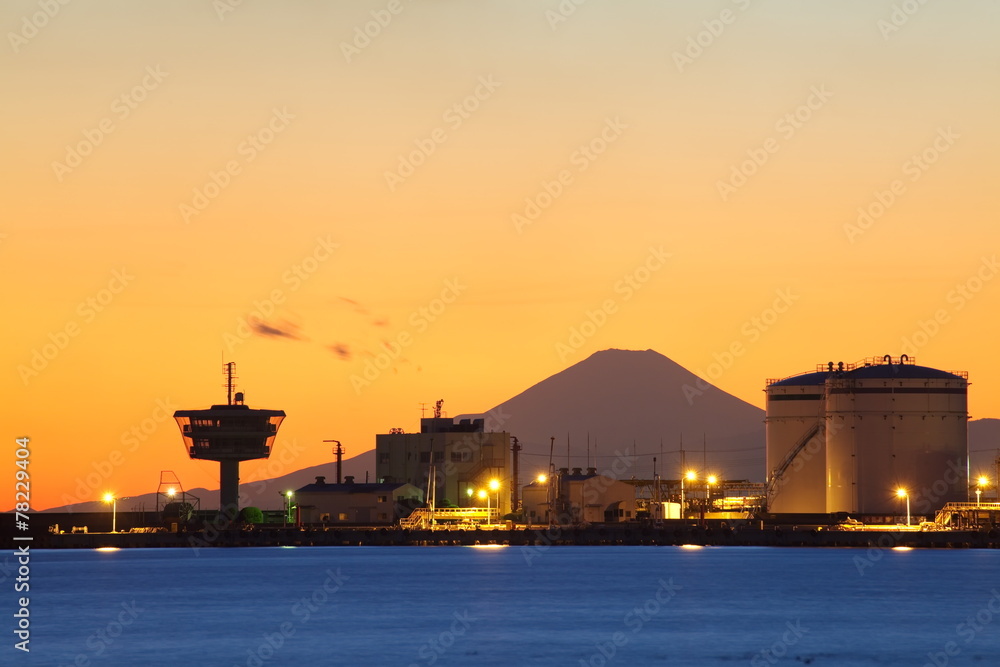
pixel 453 117
pixel 562 12
pixel 773 654
pixel 89 485
pixel 581 159
pixel 594 320
pixel 104 638
pixel 899 16
pixel 248 150
pixel 705 38
pixel 223 7
pixel 431 651
pixel 419 320
pixel 914 167
pixel 33 24
pixel 966 631
pixel 750 332
pixel 365 34
pixel 302 611
pixel 121 108
pixel 293 278
pixel 786 127
pixel 958 298
pixel 634 620
pixel 87 311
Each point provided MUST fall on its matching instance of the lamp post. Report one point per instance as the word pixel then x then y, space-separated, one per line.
pixel 110 498
pixel 542 479
pixel 980 483
pixel 689 475
pixel 901 493
pixel 495 488
pixel 288 506
pixel 482 495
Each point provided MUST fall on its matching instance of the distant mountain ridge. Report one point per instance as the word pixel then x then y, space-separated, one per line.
pixel 634 400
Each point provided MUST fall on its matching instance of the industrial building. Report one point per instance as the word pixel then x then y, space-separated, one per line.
pixel 864 437
pixel 355 503
pixel 578 497
pixel 465 460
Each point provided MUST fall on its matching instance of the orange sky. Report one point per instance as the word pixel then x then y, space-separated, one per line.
pixel 461 189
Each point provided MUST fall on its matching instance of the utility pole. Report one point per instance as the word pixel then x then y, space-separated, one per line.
pixel 515 483
pixel 339 453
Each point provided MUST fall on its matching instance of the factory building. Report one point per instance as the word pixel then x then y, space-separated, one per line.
pixel 354 503
pixel 862 437
pixel 578 497
pixel 465 460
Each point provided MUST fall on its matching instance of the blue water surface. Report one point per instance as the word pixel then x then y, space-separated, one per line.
pixel 512 606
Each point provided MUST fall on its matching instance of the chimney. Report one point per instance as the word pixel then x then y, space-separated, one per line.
pixel 577 471
pixel 591 471
pixel 349 479
pixel 563 471
pixel 320 480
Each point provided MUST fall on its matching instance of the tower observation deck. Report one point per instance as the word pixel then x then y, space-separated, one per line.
pixel 229 434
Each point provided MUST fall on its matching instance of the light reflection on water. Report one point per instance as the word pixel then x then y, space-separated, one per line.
pixel 497 605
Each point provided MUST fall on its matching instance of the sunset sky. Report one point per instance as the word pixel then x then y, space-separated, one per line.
pixel 415 200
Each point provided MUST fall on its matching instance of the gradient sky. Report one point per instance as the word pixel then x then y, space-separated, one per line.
pixel 708 161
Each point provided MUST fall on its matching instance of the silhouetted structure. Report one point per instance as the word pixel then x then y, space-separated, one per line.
pixel 229 434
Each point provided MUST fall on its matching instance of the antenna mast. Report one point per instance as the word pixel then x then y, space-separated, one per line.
pixel 230 381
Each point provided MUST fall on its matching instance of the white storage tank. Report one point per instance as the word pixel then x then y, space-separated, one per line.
pixel 796 445
pixel 894 425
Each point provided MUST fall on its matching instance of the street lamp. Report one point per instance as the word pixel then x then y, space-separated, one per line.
pixel 483 494
pixel 110 498
pixel 712 479
pixel 901 493
pixel 690 476
pixel 288 506
pixel 495 488
pixel 980 483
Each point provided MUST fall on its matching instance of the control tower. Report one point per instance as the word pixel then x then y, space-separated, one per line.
pixel 229 434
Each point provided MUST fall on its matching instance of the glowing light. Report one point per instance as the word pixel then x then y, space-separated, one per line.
pixel 107 549
pixel 482 493
pixel 494 484
pixel 692 546
pixel 288 493
pixel 983 481
pixel 488 546
pixel 469 491
pixel 542 479
pixel 691 475
pixel 901 493
pixel 712 479
pixel 171 492
pixel 109 497
pixel 902 548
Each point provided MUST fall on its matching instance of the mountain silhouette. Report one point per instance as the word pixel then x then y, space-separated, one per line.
pixel 639 402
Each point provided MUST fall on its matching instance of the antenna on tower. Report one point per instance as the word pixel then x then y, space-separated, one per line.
pixel 437 408
pixel 230 381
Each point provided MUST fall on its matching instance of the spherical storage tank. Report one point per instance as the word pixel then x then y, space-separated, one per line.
pixel 891 425
pixel 796 448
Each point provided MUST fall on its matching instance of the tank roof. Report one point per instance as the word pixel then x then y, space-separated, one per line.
pixel 808 379
pixel 901 371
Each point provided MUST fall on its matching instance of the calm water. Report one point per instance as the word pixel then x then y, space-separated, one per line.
pixel 511 606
